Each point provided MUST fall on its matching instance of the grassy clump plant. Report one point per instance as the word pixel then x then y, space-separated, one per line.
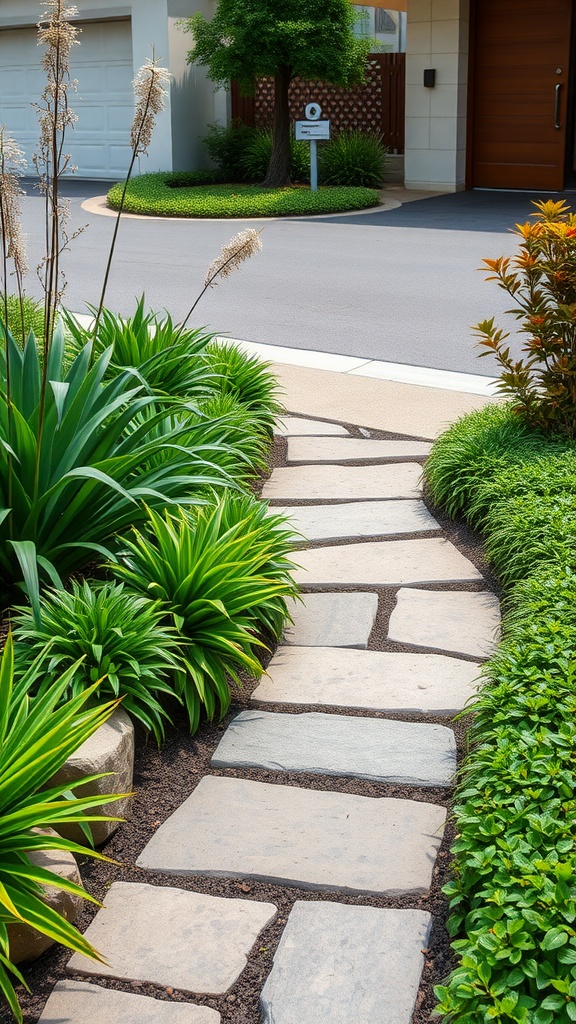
pixel 246 379
pixel 174 194
pixel 222 575
pixel 353 158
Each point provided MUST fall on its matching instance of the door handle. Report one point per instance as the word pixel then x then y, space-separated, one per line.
pixel 557 92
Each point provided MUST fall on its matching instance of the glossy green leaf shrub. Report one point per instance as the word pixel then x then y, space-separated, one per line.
pixel 176 194
pixel 113 638
pixel 222 574
pixel 36 738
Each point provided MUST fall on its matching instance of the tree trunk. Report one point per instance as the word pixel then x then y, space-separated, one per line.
pixel 279 170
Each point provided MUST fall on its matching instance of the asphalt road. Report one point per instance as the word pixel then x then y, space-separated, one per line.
pixel 401 285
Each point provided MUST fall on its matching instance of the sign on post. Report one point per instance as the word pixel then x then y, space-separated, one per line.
pixel 311 130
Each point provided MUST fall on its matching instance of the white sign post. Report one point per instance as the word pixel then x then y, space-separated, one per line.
pixel 311 130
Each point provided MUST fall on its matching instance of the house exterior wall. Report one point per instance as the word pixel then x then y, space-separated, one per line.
pixel 435 151
pixel 192 102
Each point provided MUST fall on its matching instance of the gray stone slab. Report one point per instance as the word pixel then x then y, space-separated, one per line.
pixel 358 519
pixel 396 480
pixel 290 426
pixel 309 838
pixel 352 449
pixel 167 936
pixel 385 563
pixel 77 1002
pixel 402 753
pixel 369 680
pixel 331 620
pixel 463 622
pixel 339 964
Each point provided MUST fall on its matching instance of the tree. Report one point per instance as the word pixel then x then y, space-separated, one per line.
pixel 251 39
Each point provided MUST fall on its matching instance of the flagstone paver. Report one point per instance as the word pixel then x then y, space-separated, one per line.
pixel 340 964
pixel 331 620
pixel 358 519
pixel 368 680
pixel 395 480
pixel 309 838
pixel 460 621
pixel 169 936
pixel 363 748
pixel 352 449
pixel 290 426
pixel 82 1003
pixel 384 563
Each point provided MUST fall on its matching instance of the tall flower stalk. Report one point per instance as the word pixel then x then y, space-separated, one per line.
pixel 232 255
pixel 12 244
pixel 150 93
pixel 58 35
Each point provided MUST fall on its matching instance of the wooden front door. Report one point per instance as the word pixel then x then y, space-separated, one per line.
pixel 520 79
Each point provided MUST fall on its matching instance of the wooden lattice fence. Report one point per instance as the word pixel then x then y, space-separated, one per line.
pixel 376 106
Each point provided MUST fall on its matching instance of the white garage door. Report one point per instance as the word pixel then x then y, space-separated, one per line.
pixel 102 64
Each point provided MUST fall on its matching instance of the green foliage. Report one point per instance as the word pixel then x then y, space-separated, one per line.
pixel 78 462
pixel 226 146
pixel 473 448
pixel 112 638
pixel 247 40
pixel 150 346
pixel 31 312
pixel 36 738
pixel 541 280
pixel 258 151
pixel 158 194
pixel 222 574
pixel 353 158
pixel 246 379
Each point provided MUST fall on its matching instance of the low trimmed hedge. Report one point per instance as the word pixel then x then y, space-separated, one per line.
pixel 513 892
pixel 197 194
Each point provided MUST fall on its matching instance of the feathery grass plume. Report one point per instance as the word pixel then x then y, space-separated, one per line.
pixel 150 94
pixel 58 35
pixel 13 247
pixel 232 255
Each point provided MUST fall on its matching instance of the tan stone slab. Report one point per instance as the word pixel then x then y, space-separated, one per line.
pixel 397 480
pixel 314 839
pixel 168 936
pixel 459 621
pixel 297 426
pixel 358 519
pixel 384 563
pixel 77 1002
pixel 370 680
pixel 379 404
pixel 331 620
pixel 352 449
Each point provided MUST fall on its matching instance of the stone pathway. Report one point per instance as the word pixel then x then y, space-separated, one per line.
pixel 336 961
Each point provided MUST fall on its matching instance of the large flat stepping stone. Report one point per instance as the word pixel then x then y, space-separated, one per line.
pixel 290 426
pixel 358 519
pixel 77 1002
pixel 385 563
pixel 336 964
pixel 463 622
pixel 362 748
pixel 167 936
pixel 368 680
pixel 396 480
pixel 331 620
pixel 352 449
pixel 309 838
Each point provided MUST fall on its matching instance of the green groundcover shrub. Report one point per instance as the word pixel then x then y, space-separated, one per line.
pixel 513 891
pixel 178 194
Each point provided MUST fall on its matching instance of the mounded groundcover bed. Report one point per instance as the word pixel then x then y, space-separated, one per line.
pixel 201 194
pixel 164 778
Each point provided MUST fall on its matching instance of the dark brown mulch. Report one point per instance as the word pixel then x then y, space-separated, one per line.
pixel 163 779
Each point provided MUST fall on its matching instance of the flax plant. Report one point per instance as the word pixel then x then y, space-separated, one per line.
pixel 150 93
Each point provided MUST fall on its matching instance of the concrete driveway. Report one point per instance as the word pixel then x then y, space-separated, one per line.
pixel 400 285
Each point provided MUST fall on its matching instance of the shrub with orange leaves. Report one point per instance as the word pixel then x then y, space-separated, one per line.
pixel 541 279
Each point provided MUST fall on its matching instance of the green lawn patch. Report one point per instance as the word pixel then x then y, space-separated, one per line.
pixel 198 194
